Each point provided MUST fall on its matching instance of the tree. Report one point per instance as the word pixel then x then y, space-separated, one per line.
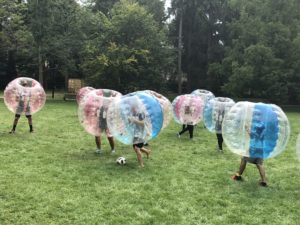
pixel 15 40
pixel 132 51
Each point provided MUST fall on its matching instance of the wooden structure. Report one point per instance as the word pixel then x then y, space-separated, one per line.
pixel 73 87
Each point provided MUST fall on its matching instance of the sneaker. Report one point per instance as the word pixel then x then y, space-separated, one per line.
pixel 98 151
pixel 12 132
pixel 31 131
pixel 237 177
pixel 113 151
pixel 178 135
pixel 221 150
pixel 263 184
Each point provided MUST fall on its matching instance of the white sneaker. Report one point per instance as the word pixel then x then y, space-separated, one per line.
pixel 178 135
pixel 98 151
pixel 113 151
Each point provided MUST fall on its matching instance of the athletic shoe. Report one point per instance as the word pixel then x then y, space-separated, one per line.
pixel 263 184
pixel 237 178
pixel 113 151
pixel 98 151
pixel 178 135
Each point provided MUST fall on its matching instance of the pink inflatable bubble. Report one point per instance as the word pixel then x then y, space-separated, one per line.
pixel 187 109
pixel 24 95
pixel 93 109
pixel 82 92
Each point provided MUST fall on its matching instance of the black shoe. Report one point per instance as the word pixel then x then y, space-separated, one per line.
pixel 263 184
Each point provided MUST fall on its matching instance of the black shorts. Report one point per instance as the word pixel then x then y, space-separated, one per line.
pixel 257 161
pixel 139 145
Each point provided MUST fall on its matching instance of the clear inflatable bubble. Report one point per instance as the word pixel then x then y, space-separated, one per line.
pixel 187 109
pixel 214 112
pixel 165 105
pixel 256 130
pixel 205 95
pixel 298 147
pixel 92 110
pixel 24 95
pixel 82 92
pixel 135 118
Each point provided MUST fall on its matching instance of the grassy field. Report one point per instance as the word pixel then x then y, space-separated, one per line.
pixel 53 176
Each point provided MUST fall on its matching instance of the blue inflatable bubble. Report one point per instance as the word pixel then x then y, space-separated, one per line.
pixel 256 130
pixel 214 112
pixel 135 118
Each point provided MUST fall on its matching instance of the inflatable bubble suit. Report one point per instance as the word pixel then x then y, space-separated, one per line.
pixel 204 95
pixel 298 147
pixel 135 118
pixel 92 110
pixel 82 92
pixel 256 130
pixel 187 109
pixel 24 95
pixel 165 104
pixel 214 112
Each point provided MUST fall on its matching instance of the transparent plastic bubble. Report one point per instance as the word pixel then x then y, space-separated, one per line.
pixel 187 109
pixel 256 130
pixel 135 118
pixel 298 147
pixel 92 110
pixel 214 112
pixel 82 92
pixel 205 95
pixel 165 105
pixel 24 95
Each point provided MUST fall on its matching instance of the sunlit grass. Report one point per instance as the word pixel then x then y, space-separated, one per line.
pixel 53 176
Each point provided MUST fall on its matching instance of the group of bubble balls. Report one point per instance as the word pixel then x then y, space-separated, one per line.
pixel 249 129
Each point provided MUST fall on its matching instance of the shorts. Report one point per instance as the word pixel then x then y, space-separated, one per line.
pixel 19 115
pixel 139 145
pixel 108 134
pixel 257 161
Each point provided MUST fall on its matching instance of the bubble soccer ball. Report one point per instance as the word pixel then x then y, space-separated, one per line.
pixel 256 130
pixel 121 160
pixel 135 118
pixel 187 109
pixel 92 110
pixel 214 112
pixel 165 105
pixel 24 95
pixel 205 95
pixel 82 92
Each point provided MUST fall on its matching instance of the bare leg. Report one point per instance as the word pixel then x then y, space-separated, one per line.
pixel 139 156
pixel 98 143
pixel 15 124
pixel 111 143
pixel 242 167
pixel 262 172
pixel 146 151
pixel 29 118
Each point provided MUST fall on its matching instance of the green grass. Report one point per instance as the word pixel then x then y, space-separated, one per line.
pixel 53 176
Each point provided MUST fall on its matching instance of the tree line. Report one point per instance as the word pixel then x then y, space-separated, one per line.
pixel 240 48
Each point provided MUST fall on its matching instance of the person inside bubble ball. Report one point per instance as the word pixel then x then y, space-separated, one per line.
pixel 23 106
pixel 103 127
pixel 257 134
pixel 218 128
pixel 137 119
pixel 187 127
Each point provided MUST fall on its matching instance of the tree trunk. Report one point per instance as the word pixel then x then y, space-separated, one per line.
pixel 180 52
pixel 41 80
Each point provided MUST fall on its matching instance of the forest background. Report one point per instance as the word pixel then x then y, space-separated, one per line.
pixel 236 48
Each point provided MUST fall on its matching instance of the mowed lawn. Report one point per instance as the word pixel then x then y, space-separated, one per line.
pixel 53 176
